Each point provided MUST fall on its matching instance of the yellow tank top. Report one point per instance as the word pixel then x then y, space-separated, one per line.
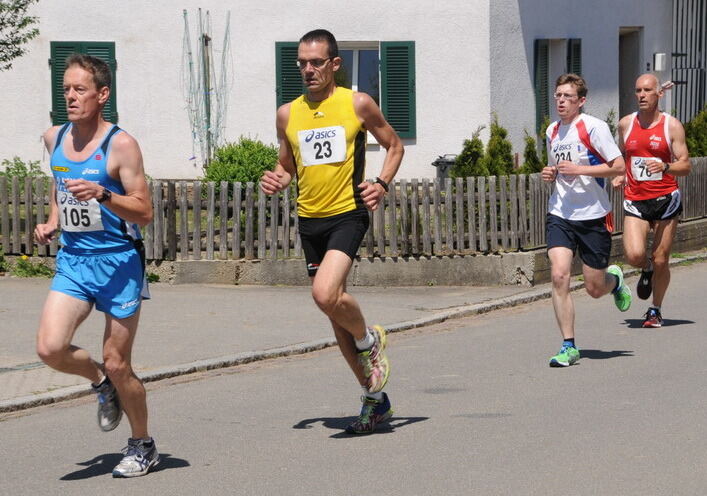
pixel 329 146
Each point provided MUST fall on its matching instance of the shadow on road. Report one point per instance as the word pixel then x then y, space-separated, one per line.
pixel 638 323
pixel 104 464
pixel 603 355
pixel 340 424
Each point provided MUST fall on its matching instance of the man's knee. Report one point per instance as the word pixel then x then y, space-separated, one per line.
pixel 594 290
pixel 116 366
pixel 327 301
pixel 560 278
pixel 49 352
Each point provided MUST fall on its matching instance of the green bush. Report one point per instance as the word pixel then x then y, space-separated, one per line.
pixel 3 263
pixel 531 161
pixel 25 268
pixel 243 161
pixel 696 134
pixel 499 151
pixel 611 122
pixel 18 168
pixel 467 162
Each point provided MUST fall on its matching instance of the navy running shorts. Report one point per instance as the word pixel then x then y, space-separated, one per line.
pixel 590 237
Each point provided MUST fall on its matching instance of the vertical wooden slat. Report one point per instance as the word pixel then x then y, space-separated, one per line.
pixel 210 213
pixel 523 211
pixel 183 221
pixel 286 233
pixel 503 211
pixel 379 223
pixel 29 217
pixel 223 217
pixel 295 227
pixel 414 217
pixel 471 213
pixel 426 224
pixel 149 241
pixel 5 214
pixel 249 214
pixel 158 221
pixel 459 208
pixel 404 219
pixel 171 221
pixel 493 213
pixel 514 236
pixel 41 214
pixel 532 214
pixel 274 213
pixel 393 219
pixel 237 224
pixel 449 214
pixel 436 201
pixel 16 216
pixel 262 219
pixel 196 200
pixel 481 197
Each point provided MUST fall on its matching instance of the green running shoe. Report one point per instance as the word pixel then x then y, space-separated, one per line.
pixel 567 356
pixel 622 294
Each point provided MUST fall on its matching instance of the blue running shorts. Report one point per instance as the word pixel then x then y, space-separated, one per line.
pixel 115 282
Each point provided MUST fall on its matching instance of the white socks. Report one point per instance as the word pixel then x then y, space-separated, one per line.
pixel 366 342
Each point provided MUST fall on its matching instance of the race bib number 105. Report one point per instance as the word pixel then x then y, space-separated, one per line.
pixel 640 170
pixel 325 145
pixel 78 216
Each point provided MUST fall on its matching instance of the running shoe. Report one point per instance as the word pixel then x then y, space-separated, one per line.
pixel 645 286
pixel 372 413
pixel 138 459
pixel 374 362
pixel 653 318
pixel 567 356
pixel 109 411
pixel 622 294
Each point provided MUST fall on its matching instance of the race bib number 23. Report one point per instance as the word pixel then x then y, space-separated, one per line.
pixel 324 145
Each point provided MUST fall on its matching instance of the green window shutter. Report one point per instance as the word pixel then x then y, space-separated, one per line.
pixel 288 78
pixel 574 56
pixel 59 52
pixel 398 86
pixel 542 98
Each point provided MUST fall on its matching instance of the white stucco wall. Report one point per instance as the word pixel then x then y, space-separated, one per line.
pixel 451 54
pixel 516 23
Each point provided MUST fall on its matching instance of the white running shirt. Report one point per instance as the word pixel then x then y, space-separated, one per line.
pixel 580 197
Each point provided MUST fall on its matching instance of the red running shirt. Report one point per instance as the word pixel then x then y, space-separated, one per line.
pixel 641 145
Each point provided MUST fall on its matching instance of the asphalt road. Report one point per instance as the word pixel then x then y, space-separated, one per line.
pixel 478 411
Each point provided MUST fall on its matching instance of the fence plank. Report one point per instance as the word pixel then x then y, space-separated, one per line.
pixel 183 221
pixel 5 215
pixel 379 223
pixel 523 207
pixel 503 214
pixel 414 217
pixel 449 214
pixel 41 213
pixel 493 213
pixel 249 215
pixel 223 218
pixel 514 236
pixel 29 217
pixel 295 227
pixel 286 234
pixel 237 224
pixel 171 221
pixel 274 213
pixel 471 213
pixel 426 225
pixel 437 212
pixel 404 218
pixel 149 233
pixel 16 216
pixel 459 205
pixel 393 219
pixel 262 219
pixel 196 201
pixel 532 207
pixel 210 213
pixel 158 220
pixel 481 195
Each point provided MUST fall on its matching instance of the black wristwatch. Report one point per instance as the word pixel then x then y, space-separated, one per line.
pixel 382 183
pixel 667 166
pixel 106 195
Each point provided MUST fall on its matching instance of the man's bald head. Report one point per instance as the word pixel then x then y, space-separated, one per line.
pixel 648 79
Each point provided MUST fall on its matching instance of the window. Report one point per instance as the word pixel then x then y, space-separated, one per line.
pixel 386 71
pixel 60 51
pixel 547 68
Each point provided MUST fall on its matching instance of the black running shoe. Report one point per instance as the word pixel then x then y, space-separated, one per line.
pixel 645 285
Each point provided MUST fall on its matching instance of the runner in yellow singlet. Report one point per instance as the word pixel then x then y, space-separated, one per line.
pixel 322 137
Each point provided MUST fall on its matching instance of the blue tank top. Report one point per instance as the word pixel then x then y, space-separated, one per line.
pixel 88 226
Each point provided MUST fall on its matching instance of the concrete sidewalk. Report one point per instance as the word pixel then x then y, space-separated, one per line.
pixel 188 328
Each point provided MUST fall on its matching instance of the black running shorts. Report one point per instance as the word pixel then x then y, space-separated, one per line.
pixel 343 232
pixel 662 208
pixel 590 237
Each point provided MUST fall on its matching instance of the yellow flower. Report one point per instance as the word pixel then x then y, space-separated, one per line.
pixel 25 257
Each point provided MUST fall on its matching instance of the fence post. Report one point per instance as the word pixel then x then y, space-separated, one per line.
pixel 183 221
pixel 149 242
pixel 237 199
pixel 171 221
pixel 40 183
pixel 196 202
pixel 5 214
pixel 404 218
pixel 249 205
pixel 223 224
pixel 393 219
pixel 471 212
pixel 481 195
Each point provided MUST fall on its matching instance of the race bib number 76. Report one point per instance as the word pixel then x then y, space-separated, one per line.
pixel 324 145
pixel 640 171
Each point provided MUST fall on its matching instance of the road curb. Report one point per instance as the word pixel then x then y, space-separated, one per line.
pixel 73 392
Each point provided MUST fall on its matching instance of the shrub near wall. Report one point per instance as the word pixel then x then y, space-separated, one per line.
pixel 243 161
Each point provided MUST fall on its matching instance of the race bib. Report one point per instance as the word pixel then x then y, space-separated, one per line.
pixel 325 145
pixel 641 173
pixel 78 216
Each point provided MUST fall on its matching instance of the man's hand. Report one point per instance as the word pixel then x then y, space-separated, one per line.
pixel 44 233
pixel 568 168
pixel 84 190
pixel 619 182
pixel 655 166
pixel 549 173
pixel 371 194
pixel 271 182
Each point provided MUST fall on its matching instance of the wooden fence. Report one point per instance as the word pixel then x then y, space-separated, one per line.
pixel 195 220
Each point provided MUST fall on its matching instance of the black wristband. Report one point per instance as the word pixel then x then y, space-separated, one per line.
pixel 382 183
pixel 667 166
pixel 106 195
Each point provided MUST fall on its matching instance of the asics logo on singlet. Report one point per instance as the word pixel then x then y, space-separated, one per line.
pixel 653 137
pixel 128 304
pixel 329 133
pixel 90 171
pixel 561 147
